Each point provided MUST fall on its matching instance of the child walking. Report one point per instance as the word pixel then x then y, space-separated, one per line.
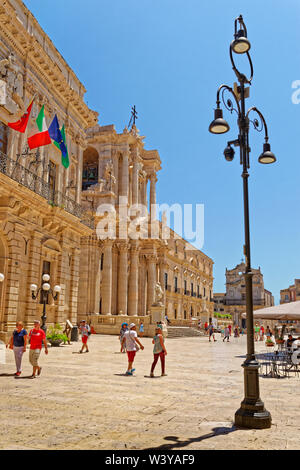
pixel 85 332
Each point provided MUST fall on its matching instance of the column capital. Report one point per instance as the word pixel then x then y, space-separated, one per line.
pixel 151 258
pixel 122 247
pixel 153 177
pixel 108 244
pixel 134 247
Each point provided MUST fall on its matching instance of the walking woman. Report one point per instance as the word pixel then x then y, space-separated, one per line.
pixel 142 330
pixel 18 343
pixel 159 351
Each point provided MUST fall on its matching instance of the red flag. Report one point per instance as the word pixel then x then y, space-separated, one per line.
pixel 21 125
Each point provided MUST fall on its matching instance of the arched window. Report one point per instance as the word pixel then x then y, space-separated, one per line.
pixel 90 168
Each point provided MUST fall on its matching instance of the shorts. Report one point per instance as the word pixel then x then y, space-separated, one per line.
pixel 131 355
pixel 84 339
pixel 34 355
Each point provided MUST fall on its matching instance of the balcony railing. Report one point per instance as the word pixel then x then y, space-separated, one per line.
pixel 30 180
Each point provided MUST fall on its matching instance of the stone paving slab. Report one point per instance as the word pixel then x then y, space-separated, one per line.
pixel 86 402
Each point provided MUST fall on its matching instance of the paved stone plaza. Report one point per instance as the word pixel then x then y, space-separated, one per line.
pixel 86 402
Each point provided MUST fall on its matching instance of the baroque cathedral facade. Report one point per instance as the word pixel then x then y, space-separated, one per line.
pixel 49 214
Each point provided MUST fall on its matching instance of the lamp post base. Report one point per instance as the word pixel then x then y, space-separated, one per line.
pixel 252 417
pixel 252 413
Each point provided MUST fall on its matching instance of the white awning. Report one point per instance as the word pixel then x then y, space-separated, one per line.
pixel 289 311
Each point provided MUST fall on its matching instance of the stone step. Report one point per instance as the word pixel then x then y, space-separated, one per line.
pixel 183 331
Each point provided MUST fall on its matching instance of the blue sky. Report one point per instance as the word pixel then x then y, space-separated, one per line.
pixel 168 57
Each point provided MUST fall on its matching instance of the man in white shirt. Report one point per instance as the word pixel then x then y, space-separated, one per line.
pixel 131 340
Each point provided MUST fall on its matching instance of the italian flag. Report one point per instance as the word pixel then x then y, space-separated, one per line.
pixel 43 137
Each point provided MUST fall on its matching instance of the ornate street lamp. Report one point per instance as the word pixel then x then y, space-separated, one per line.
pixel 252 413
pixel 45 289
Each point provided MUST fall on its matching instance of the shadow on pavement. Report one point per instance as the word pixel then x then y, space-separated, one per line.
pixel 219 431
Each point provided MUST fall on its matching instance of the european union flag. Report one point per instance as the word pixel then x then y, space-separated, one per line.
pixel 55 134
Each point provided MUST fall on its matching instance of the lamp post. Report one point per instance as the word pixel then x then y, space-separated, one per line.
pixel 252 413
pixel 45 289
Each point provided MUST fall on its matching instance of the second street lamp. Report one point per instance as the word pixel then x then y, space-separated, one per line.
pixel 45 290
pixel 252 413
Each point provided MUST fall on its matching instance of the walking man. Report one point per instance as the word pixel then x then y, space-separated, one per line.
pixel 36 337
pixel 132 346
pixel 211 332
pixel 226 334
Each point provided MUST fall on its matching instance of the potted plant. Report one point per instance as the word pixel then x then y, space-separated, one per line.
pixel 55 336
pixel 269 342
pixel 279 338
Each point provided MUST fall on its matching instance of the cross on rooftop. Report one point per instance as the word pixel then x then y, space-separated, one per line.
pixel 134 116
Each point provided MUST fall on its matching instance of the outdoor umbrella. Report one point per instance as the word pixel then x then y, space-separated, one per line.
pixel 290 311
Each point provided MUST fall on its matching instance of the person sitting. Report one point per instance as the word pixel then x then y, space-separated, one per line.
pixel 289 341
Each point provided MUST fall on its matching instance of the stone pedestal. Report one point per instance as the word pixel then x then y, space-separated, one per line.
pixel 157 315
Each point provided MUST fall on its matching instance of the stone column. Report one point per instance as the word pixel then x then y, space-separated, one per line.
pixel 153 180
pixel 12 282
pixel 61 279
pixel 162 269
pixel 144 190
pixel 125 174
pixel 142 285
pixel 107 278
pixel 33 276
pixel 84 273
pixel 133 291
pixel 115 157
pixel 135 178
pixel 75 269
pixel 79 174
pixel 151 269
pixel 114 299
pixel 123 279
pixel 93 290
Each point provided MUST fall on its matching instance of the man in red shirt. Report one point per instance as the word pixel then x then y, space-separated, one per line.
pixel 36 337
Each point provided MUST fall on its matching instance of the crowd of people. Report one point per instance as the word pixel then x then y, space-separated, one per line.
pixel 226 331
pixel 18 343
pixel 129 342
pixel 128 337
